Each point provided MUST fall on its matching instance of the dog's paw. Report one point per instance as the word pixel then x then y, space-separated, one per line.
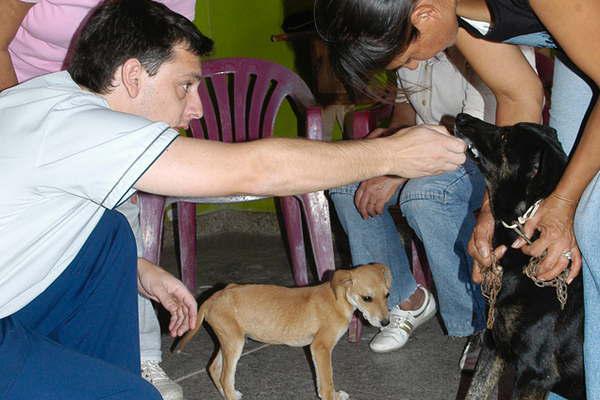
pixel 341 395
pixel 238 395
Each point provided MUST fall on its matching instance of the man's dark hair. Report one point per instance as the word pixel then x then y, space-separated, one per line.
pixel 364 36
pixel 118 30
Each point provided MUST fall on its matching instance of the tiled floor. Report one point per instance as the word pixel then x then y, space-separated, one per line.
pixel 426 369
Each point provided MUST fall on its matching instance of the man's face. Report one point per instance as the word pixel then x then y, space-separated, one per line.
pixel 171 95
pixel 435 34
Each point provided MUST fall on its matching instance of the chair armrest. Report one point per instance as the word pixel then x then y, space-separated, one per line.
pixel 314 123
pixel 363 122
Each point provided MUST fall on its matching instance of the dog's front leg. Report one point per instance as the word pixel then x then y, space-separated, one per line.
pixel 487 374
pixel 320 350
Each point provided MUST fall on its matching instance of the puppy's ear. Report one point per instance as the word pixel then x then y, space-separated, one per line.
pixel 387 275
pixel 342 278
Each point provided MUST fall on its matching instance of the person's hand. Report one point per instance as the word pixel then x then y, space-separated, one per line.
pixel 554 221
pixel 157 284
pixel 373 194
pixel 480 244
pixel 422 150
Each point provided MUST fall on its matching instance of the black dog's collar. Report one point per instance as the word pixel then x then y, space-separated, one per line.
pixel 517 226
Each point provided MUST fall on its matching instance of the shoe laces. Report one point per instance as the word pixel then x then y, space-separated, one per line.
pixel 396 321
pixel 153 372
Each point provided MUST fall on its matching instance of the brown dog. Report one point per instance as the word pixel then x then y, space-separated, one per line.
pixel 317 316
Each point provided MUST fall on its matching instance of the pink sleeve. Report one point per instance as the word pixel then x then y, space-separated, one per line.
pixel 187 8
pixel 41 43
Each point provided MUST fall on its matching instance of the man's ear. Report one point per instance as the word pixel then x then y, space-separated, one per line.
pixel 423 13
pixel 131 76
pixel 342 278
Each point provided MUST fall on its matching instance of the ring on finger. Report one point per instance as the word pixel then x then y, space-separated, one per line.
pixel 568 254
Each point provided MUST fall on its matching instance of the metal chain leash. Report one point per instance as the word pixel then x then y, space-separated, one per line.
pixel 492 275
pixel 490 287
pixel 560 282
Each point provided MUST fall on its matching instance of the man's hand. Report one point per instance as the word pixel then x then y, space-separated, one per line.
pixel 373 194
pixel 554 221
pixel 423 150
pixel 157 284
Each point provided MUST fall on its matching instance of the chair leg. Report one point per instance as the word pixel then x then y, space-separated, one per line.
pixel 186 218
pixel 151 224
pixel 292 220
pixel 316 209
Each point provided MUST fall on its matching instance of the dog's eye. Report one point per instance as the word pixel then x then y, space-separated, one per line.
pixel 387 295
pixel 367 299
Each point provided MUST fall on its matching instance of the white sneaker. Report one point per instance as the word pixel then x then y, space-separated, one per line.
pixel 153 373
pixel 402 323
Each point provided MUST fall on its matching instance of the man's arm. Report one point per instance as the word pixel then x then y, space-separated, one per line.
pixel 12 13
pixel 277 166
pixel 576 28
pixel 373 194
pixel 505 70
pixel 519 97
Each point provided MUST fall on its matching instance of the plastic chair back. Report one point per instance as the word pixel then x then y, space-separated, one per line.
pixel 242 96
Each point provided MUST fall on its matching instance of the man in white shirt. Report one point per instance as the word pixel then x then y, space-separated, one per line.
pixel 76 144
pixel 440 209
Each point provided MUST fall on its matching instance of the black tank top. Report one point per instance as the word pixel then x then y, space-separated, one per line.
pixel 513 21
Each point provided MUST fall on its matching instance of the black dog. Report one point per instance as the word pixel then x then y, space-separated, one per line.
pixel 531 333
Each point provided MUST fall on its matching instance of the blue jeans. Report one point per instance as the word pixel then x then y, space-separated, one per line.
pixel 571 99
pixel 440 209
pixel 79 338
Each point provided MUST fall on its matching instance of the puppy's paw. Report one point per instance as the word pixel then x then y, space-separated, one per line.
pixel 238 395
pixel 341 395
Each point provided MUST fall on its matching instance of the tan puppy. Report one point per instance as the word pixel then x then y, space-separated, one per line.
pixel 317 316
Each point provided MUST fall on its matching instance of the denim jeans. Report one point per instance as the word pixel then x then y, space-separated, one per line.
pixel 440 209
pixel 571 99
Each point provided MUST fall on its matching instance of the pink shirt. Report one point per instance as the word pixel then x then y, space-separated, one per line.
pixel 40 45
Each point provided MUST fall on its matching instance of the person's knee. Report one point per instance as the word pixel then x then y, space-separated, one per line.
pixel 346 190
pixel 420 199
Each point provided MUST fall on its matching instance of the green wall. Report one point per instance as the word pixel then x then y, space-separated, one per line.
pixel 243 28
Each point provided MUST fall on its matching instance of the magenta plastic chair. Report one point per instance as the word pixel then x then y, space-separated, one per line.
pixel 241 98
pixel 364 122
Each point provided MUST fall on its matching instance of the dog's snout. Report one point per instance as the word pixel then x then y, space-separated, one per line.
pixel 385 322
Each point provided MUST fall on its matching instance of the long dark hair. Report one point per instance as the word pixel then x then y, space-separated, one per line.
pixel 118 30
pixel 364 36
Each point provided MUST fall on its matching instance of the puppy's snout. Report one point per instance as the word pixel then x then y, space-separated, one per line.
pixel 385 322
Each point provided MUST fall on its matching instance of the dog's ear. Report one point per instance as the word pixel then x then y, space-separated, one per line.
pixel 547 157
pixel 342 278
pixel 387 275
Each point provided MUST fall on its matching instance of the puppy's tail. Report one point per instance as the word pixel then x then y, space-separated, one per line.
pixel 190 334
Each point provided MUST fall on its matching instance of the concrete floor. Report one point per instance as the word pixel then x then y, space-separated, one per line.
pixel 426 369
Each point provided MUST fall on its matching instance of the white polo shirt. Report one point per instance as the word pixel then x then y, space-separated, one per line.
pixel 447 85
pixel 444 85
pixel 65 157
